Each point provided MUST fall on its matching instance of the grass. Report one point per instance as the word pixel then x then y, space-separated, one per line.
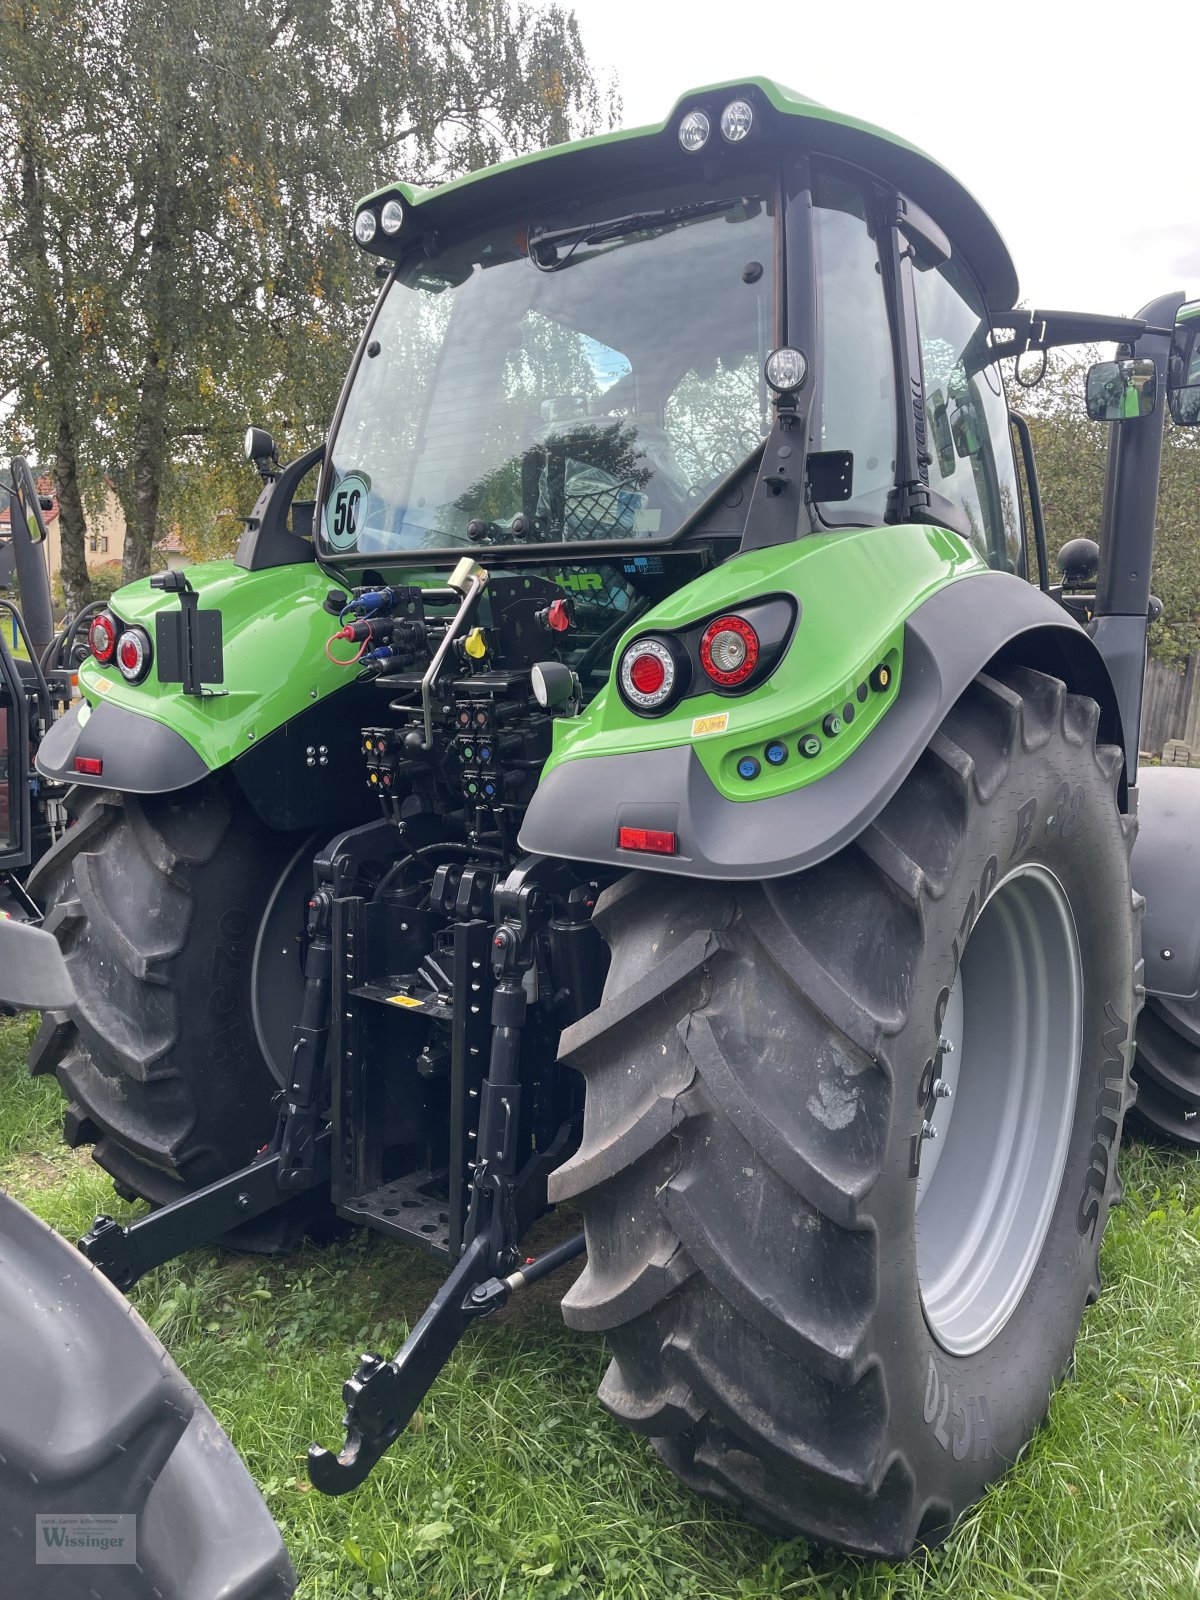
pixel 514 1484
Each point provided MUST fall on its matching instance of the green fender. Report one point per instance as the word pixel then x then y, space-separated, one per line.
pixel 150 736
pixel 916 598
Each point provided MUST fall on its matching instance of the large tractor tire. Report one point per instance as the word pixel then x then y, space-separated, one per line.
pixel 97 1422
pixel 157 902
pixel 1167 1070
pixel 820 1314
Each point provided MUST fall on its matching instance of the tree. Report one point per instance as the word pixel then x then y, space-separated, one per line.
pixel 176 216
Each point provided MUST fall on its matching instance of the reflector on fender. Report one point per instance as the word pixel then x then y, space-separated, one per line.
pixel 93 766
pixel 652 840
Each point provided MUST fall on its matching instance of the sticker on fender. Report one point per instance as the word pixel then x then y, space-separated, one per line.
pixel 403 1000
pixel 717 723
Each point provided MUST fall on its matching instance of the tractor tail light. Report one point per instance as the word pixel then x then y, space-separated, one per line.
pixel 102 637
pixel 134 654
pixel 90 766
pixel 729 651
pixel 648 675
pixel 651 840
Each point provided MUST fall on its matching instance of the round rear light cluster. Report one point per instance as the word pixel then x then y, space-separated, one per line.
pixel 134 654
pixel 102 637
pixel 729 651
pixel 648 674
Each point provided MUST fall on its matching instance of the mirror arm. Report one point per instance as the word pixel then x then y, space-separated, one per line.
pixel 1047 330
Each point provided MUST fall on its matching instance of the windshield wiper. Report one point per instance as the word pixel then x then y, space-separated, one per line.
pixel 544 244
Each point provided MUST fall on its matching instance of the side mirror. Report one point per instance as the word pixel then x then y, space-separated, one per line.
pixel 25 490
pixel 1117 390
pixel 260 449
pixel 1183 382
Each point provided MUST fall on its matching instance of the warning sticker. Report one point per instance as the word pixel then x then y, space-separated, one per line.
pixel 718 722
pixel 403 1000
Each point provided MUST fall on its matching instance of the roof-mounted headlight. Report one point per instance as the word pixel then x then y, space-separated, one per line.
pixel 736 121
pixel 364 226
pixel 694 131
pixel 391 218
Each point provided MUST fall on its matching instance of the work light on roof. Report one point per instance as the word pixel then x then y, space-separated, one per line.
pixel 364 226
pixel 391 217
pixel 736 121
pixel 693 131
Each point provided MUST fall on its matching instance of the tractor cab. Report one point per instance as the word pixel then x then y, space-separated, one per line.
pixel 588 352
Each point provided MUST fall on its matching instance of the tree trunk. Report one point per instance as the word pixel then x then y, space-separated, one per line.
pixel 146 466
pixel 148 443
pixel 72 525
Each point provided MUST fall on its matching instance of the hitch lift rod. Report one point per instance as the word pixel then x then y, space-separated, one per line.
pixel 382 1396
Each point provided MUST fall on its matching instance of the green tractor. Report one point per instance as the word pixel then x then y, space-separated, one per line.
pixel 656 769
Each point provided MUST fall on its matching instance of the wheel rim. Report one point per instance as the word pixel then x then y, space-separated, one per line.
pixel 991 1174
pixel 276 975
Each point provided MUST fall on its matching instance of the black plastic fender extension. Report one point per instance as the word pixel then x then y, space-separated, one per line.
pixel 578 808
pixel 139 755
pixel 33 974
pixel 1166 869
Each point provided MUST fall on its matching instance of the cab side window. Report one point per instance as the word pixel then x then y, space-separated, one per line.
pixel 856 383
pixel 967 415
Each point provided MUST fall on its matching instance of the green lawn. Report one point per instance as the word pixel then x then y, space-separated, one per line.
pixel 514 1483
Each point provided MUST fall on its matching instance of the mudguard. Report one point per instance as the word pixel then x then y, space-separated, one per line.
pixel 103 1440
pixel 150 736
pixel 136 755
pixel 975 617
pixel 1166 869
pixel 33 973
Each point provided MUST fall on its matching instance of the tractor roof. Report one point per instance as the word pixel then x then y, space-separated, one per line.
pixel 586 162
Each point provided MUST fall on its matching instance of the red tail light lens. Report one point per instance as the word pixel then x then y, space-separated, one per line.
pixel 729 651
pixel 652 840
pixel 102 637
pixel 134 654
pixel 648 675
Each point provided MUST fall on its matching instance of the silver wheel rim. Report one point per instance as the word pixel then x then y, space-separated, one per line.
pixel 991 1173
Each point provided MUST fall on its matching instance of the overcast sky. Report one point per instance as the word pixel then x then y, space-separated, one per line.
pixel 1074 125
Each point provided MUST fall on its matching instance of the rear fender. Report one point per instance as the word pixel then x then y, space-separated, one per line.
pixel 283 717
pixel 973 619
pixel 1166 869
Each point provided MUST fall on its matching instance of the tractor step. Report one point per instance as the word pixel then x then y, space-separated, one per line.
pixel 414 1208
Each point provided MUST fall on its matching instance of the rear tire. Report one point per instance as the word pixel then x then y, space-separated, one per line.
pixel 1167 1071
pixel 97 1420
pixel 758 1074
pixel 156 901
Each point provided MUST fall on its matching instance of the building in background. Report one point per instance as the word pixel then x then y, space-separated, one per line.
pixel 105 542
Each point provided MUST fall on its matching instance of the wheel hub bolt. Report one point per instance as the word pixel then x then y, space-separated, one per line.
pixel 945 1046
pixel 941 1089
pixel 928 1131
